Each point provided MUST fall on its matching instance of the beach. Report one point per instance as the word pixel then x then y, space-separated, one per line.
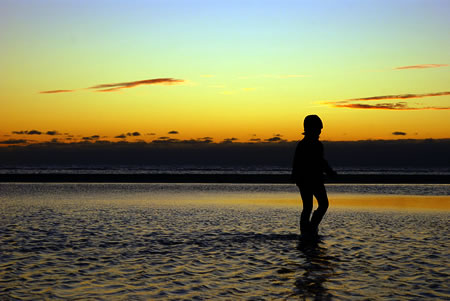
pixel 221 241
pixel 151 150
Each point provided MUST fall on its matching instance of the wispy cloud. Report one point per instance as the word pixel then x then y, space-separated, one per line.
pixel 56 91
pixel 422 66
pixel 354 103
pixel 400 96
pixel 401 106
pixel 127 85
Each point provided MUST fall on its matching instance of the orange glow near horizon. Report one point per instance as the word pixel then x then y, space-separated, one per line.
pixel 218 74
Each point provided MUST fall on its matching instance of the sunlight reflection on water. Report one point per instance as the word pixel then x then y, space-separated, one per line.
pixel 172 241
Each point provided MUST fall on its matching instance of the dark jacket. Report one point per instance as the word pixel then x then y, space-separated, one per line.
pixel 309 164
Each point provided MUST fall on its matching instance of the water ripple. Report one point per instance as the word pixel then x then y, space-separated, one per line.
pixel 52 249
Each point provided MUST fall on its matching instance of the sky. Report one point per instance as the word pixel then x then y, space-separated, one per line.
pixel 223 70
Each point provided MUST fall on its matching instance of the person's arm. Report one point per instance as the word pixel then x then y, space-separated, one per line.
pixel 295 165
pixel 328 170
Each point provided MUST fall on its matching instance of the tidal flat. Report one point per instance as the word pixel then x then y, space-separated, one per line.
pixel 221 241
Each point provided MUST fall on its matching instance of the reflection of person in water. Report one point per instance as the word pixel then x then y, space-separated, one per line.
pixel 317 267
pixel 307 172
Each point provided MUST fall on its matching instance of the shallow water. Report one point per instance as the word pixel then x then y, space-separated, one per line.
pixel 169 241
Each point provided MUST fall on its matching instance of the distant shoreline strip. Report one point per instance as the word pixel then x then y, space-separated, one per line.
pixel 217 178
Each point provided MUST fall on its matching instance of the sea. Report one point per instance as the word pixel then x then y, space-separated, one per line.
pixel 197 241
pixel 211 169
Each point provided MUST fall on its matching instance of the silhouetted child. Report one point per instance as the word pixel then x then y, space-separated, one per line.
pixel 307 173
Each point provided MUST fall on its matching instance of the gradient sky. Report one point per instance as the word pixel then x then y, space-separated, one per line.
pixel 243 69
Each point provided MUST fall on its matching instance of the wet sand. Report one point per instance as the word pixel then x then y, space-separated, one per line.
pixel 182 241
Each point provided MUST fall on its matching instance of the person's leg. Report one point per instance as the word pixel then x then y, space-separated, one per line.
pixel 322 199
pixel 307 200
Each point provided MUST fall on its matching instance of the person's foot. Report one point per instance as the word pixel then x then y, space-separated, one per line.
pixel 310 235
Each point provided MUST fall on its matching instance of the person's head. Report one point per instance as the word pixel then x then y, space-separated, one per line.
pixel 312 125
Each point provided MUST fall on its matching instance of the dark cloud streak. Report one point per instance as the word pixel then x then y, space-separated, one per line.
pixel 14 141
pixel 255 140
pixel 401 106
pixel 230 140
pixel 36 132
pixel 399 133
pixel 56 91
pixel 276 138
pixel 93 137
pixel 422 66
pixel 125 85
pixel 399 96
pixel 118 86
pixel 33 132
pixel 52 133
pixel 134 134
